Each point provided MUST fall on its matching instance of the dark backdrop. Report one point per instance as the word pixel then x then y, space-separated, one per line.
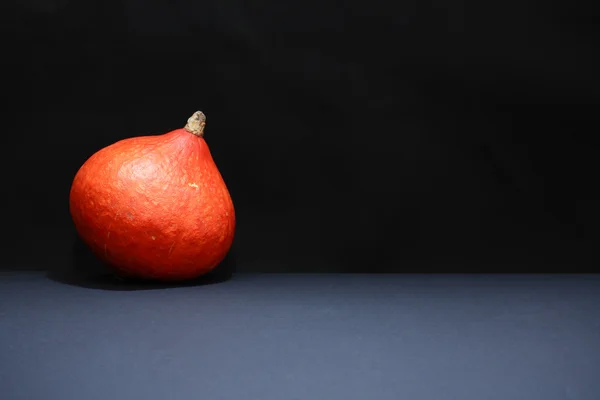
pixel 354 136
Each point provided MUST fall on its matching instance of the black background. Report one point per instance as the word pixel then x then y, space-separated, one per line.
pixel 359 136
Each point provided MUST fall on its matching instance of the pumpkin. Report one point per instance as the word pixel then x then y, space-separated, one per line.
pixel 155 207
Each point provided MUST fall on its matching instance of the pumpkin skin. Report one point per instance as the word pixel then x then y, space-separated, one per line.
pixel 155 207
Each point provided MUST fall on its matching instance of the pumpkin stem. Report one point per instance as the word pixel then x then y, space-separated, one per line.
pixel 195 124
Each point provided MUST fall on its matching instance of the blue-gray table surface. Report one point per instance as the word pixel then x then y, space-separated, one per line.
pixel 304 336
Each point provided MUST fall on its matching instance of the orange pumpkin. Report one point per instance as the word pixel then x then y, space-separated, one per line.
pixel 155 207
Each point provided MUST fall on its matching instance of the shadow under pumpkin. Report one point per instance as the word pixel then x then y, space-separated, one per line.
pixel 86 270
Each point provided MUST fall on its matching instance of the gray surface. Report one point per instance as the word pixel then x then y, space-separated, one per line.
pixel 304 337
